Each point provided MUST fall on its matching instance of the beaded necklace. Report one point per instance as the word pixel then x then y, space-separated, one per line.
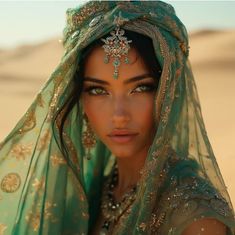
pixel 111 209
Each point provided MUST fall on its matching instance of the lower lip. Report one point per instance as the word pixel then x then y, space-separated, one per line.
pixel 122 139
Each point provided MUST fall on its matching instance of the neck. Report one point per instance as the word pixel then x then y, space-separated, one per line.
pixel 129 172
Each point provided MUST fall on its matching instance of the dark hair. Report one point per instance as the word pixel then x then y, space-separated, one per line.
pixel 144 47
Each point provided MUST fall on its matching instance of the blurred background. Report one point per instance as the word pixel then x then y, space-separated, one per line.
pixel 30 50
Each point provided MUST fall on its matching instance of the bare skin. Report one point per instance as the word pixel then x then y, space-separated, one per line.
pixel 206 226
pixel 121 106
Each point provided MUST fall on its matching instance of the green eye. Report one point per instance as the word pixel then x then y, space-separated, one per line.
pixel 95 90
pixel 144 88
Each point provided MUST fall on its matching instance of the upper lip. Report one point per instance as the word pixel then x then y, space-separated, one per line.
pixel 122 132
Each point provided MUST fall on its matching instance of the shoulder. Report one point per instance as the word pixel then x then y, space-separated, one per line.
pixel 207 226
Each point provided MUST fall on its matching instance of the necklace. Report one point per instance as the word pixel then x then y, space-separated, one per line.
pixel 111 209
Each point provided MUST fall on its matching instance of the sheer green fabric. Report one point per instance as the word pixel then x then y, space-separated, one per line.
pixel 42 193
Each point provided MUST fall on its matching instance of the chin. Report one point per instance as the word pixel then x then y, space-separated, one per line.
pixel 122 152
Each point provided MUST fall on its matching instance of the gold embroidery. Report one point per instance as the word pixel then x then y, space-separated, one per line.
pixel 151 165
pixel 48 214
pixel 54 101
pixel 10 183
pixel 3 227
pixel 34 220
pixel 184 48
pixel 40 100
pixel 88 10
pixel 162 176
pixel 30 122
pixel 142 226
pixel 72 150
pixel 80 193
pixel 164 116
pixel 85 215
pixel 44 140
pixel 58 79
pixel 20 151
pixel 192 193
pixel 156 221
pixel 39 185
pixel 56 160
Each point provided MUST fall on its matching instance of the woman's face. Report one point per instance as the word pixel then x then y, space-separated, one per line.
pixel 120 111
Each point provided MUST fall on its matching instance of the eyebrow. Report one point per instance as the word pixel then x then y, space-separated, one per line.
pixel 130 80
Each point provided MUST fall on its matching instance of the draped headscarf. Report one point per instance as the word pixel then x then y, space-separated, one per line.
pixel 43 193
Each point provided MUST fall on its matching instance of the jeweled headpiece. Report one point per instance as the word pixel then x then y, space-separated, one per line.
pixel 116 45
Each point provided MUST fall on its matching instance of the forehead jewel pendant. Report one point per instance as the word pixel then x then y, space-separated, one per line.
pixel 116 45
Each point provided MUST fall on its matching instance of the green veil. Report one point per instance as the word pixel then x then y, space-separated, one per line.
pixel 42 193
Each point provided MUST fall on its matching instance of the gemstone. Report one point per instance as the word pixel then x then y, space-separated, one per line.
pixel 95 21
pixel 126 60
pixel 116 62
pixel 75 34
pixel 106 59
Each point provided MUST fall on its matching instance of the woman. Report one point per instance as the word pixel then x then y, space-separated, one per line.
pixel 115 143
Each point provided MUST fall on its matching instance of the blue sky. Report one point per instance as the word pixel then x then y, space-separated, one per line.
pixel 34 21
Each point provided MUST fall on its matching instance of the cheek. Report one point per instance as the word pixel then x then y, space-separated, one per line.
pixel 96 114
pixel 143 112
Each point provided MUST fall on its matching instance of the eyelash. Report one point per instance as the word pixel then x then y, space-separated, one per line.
pixel 150 88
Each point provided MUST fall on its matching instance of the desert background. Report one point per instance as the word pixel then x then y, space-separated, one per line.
pixel 25 68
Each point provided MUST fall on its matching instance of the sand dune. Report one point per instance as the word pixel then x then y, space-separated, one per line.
pixel 33 62
pixel 23 71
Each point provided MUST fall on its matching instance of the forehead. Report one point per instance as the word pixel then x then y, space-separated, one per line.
pixel 95 66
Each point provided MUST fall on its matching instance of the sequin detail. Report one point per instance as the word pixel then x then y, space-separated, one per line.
pixel 77 19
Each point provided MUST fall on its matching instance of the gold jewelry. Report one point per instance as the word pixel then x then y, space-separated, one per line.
pixel 116 45
pixel 88 138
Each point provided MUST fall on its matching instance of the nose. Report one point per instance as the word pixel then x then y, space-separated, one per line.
pixel 121 115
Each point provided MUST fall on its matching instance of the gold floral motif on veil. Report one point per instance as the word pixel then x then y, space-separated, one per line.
pixel 39 184
pixel 29 123
pixel 47 211
pixel 44 140
pixel 57 160
pixel 10 183
pixel 72 151
pixel 40 100
pixel 34 220
pixel 21 151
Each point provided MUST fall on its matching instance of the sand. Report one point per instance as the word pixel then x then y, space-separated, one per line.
pixel 23 70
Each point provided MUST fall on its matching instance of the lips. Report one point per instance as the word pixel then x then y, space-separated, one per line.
pixel 122 136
